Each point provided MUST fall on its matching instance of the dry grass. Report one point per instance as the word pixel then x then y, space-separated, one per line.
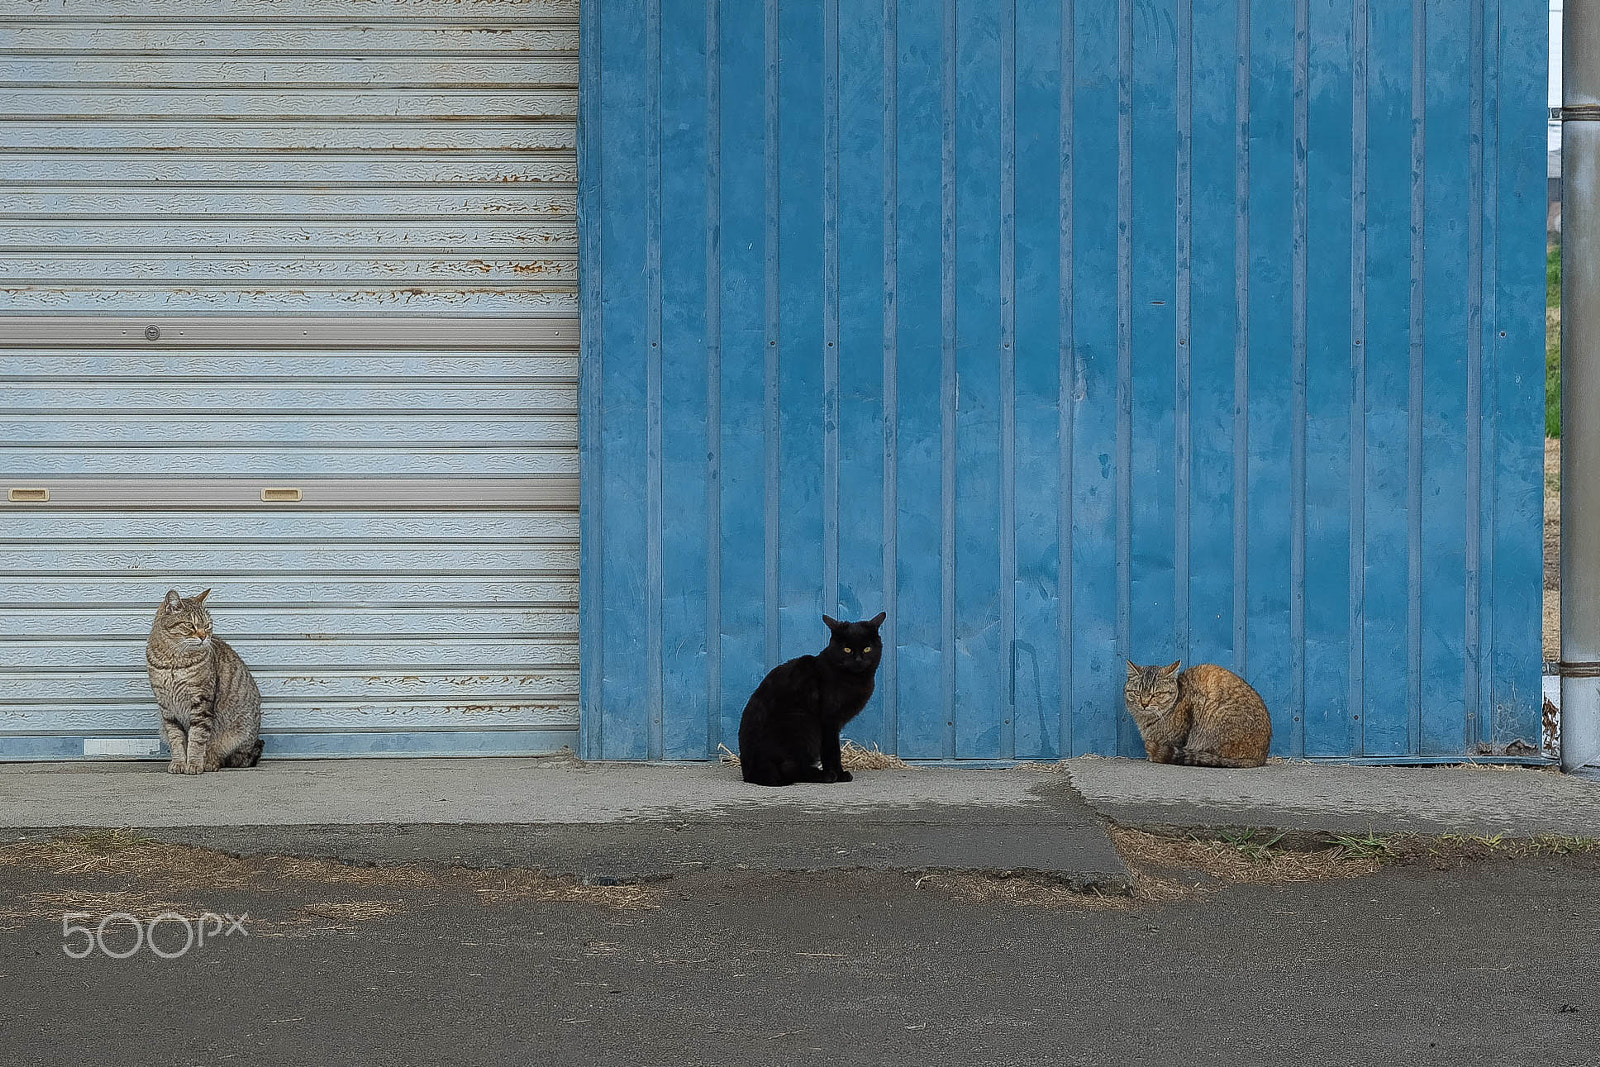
pixel 1173 867
pixel 856 758
pixel 54 903
pixel 154 874
pixel 853 756
pixel 511 886
pixel 1241 858
pixel 127 854
pixel 1026 891
pixel 1169 868
pixel 1540 769
pixel 353 910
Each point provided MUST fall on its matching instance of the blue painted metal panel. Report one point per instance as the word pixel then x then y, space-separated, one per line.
pixel 1273 660
pixel 1152 319
pixel 684 453
pixel 1097 640
pixel 797 401
pixel 1199 329
pixel 858 331
pixel 742 361
pixel 921 649
pixel 983 240
pixel 1211 334
pixel 1385 316
pixel 1513 206
pixel 1041 353
pixel 1327 173
pixel 1446 430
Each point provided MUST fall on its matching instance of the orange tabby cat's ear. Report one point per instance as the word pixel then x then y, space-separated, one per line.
pixel 1172 668
pixel 1133 669
pixel 201 599
pixel 172 599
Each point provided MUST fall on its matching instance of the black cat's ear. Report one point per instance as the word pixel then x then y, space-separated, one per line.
pixel 201 599
pixel 877 620
pixel 172 599
pixel 833 623
pixel 1172 668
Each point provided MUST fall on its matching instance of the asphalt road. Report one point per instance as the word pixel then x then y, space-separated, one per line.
pixel 1496 963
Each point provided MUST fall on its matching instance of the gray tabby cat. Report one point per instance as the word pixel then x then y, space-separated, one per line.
pixel 210 706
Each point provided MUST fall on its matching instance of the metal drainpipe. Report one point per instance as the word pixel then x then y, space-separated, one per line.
pixel 1580 384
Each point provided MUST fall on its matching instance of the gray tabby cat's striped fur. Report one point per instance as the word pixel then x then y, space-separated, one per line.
pixel 210 706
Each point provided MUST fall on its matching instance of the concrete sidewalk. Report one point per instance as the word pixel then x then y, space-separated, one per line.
pixel 600 822
pixel 630 822
pixel 1342 798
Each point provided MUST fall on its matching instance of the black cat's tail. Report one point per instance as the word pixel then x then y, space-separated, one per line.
pixel 780 773
pixel 764 772
pixel 246 757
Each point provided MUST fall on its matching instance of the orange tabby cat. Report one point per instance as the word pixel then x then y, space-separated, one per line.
pixel 1206 716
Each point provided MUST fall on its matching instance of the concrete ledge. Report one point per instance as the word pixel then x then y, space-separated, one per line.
pixel 1341 798
pixel 597 822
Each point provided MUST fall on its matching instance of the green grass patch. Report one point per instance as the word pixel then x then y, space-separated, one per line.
pixel 1369 846
pixel 1254 845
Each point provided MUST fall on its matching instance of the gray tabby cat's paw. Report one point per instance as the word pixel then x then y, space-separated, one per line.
pixel 194 767
pixel 175 765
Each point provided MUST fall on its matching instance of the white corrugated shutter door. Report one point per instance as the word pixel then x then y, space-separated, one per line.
pixel 288 308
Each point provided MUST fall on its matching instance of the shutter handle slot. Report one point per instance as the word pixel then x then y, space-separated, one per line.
pixel 28 496
pixel 280 495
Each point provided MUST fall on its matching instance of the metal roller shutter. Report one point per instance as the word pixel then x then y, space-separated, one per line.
pixel 288 309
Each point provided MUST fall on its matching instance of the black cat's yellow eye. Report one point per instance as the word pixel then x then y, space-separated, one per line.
pixel 847 651
pixel 867 649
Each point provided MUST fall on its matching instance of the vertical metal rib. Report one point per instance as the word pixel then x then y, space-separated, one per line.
pixel 1419 86
pixel 1241 348
pixel 771 424
pixel 590 587
pixel 1474 546
pixel 948 382
pixel 1182 444
pixel 1297 446
pixel 1067 387
pixel 1360 53
pixel 713 375
pixel 1124 331
pixel 830 305
pixel 889 689
pixel 653 399
pixel 1008 375
pixel 1488 440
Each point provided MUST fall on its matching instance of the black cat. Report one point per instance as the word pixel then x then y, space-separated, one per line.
pixel 790 729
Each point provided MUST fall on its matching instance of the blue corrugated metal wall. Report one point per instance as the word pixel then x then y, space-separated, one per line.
pixel 1064 331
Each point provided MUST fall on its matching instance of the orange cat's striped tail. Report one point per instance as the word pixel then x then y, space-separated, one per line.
pixel 1196 758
